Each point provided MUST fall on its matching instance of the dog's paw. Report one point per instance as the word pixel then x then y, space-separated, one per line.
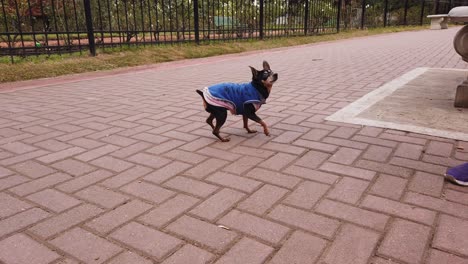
pixel 251 131
pixel 226 139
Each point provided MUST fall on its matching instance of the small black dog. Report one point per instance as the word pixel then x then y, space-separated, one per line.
pixel 240 99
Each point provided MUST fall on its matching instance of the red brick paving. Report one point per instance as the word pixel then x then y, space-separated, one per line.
pixel 121 167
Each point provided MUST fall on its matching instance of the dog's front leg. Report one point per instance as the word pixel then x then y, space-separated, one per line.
pixel 246 125
pixel 250 113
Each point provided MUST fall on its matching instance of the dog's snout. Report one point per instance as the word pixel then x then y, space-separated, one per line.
pixel 275 76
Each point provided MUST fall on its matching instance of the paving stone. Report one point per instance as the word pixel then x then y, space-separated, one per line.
pixel 409 151
pixel 263 199
pixel 306 194
pixel 246 251
pixel 207 234
pixel 149 160
pixel 436 257
pixel 345 156
pixel 312 159
pixel 406 241
pixel 189 254
pixel 273 177
pixel 348 190
pixel 254 226
pixel 169 210
pixel 353 214
pixel 63 154
pixel 11 181
pixel 206 168
pixel 308 221
pixel 352 243
pixel 437 204
pixel 385 168
pixel 73 167
pixel 84 181
pixel 389 186
pixel 145 239
pixel 450 235
pixel 21 220
pixel 101 196
pixel 399 209
pixel 234 181
pixel 21 249
pixel 53 200
pixel 86 246
pixel 40 184
pixel 148 191
pixel 348 170
pixel 314 175
pixel 300 248
pixel 188 185
pixel 66 220
pixel 130 257
pixel 278 161
pixel 10 205
pixel 439 148
pixel 120 215
pixel 31 169
pixel 426 183
pixel 126 177
pixel 377 153
pixel 217 204
pixel 112 164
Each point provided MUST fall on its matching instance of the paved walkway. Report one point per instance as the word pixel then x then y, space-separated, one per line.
pixel 123 169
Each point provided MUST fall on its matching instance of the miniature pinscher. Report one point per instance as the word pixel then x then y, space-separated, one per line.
pixel 240 99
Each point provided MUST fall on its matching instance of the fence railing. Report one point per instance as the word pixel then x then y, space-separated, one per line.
pixel 33 27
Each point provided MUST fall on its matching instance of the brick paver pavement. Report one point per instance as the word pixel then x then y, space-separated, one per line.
pixel 123 168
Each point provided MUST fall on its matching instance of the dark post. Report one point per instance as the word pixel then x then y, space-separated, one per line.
pixel 338 17
pixel 405 22
pixel 89 27
pixel 422 11
pixel 450 5
pixel 437 7
pixel 196 21
pixel 306 17
pixel 385 13
pixel 261 19
pixel 363 14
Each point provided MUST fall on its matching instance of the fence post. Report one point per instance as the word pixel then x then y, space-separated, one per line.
pixel 363 13
pixel 385 13
pixel 338 17
pixel 437 7
pixel 261 19
pixel 405 22
pixel 306 17
pixel 423 2
pixel 196 21
pixel 89 27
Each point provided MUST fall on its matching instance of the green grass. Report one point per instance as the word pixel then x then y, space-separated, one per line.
pixel 35 67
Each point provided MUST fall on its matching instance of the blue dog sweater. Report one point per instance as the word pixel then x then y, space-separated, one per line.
pixel 233 96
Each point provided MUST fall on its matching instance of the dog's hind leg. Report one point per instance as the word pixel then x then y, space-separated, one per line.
pixel 221 116
pixel 209 120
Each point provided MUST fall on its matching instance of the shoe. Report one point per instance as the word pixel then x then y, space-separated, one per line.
pixel 458 174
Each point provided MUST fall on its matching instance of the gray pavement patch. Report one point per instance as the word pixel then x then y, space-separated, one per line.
pixel 419 101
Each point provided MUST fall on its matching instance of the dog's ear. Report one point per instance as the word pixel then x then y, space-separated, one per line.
pixel 254 72
pixel 266 66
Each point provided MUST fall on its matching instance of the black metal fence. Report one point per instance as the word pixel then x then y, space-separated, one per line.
pixel 33 27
